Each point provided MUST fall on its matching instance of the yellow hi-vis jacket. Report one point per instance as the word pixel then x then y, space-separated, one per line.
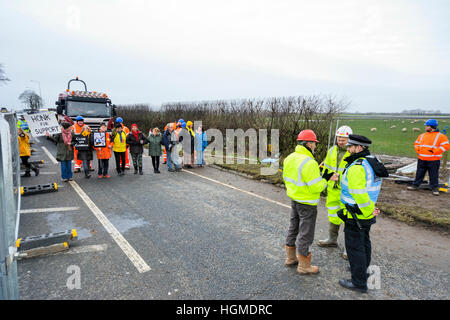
pixel 334 193
pixel 302 177
pixel 120 145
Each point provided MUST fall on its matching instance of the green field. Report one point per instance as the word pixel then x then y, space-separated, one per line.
pixel 391 141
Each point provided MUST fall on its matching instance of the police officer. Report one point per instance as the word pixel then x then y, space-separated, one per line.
pixel 359 192
pixel 22 124
pixel 304 184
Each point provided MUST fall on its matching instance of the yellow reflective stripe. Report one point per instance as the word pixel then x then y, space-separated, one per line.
pixel 358 191
pixel 363 205
pixel 307 201
pixel 332 215
pixel 314 181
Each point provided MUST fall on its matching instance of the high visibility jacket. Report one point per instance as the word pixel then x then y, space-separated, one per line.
pixel 24 146
pixel 105 152
pixel 302 177
pixel 77 129
pixel 430 145
pixel 333 203
pixel 360 187
pixel 22 124
pixel 118 145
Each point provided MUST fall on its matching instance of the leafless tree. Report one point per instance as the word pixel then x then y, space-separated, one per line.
pixel 31 99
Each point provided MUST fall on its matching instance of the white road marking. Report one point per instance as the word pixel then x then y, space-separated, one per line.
pixel 52 159
pixel 35 138
pixel 129 251
pixel 244 191
pixel 40 210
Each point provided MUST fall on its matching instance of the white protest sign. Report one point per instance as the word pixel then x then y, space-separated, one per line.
pixel 42 122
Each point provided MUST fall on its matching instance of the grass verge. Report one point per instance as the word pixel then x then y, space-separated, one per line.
pixel 414 214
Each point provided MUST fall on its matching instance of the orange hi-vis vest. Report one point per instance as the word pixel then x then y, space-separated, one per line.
pixel 105 152
pixel 77 129
pixel 431 145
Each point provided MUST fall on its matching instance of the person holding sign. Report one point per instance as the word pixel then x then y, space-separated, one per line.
pixel 25 152
pixel 64 150
pixel 103 146
pixel 83 144
pixel 77 128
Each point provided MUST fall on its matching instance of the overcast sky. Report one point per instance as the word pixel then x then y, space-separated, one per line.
pixel 383 55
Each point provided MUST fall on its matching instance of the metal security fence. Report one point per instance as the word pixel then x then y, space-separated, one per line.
pixel 9 205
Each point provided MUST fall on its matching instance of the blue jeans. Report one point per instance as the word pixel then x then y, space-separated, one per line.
pixel 169 159
pixel 66 169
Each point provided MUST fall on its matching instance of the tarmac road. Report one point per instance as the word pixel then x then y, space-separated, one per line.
pixel 183 236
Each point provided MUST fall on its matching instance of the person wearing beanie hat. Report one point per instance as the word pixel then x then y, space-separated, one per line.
pixel 136 141
pixel 429 147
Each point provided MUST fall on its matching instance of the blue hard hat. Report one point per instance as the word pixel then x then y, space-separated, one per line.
pixel 181 120
pixel 432 123
pixel 119 119
pixel 183 124
pixel 79 118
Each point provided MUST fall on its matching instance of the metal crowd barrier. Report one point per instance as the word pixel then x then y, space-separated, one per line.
pixel 9 205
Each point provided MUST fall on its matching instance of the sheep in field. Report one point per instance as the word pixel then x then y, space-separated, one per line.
pixel 393 127
pixel 373 129
pixel 415 129
pixel 404 130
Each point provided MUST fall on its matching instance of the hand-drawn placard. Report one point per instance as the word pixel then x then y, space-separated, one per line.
pixel 41 123
pixel 99 139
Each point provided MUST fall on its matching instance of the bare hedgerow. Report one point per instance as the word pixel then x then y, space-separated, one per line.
pixel 288 114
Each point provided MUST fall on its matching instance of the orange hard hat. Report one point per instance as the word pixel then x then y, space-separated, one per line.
pixel 307 135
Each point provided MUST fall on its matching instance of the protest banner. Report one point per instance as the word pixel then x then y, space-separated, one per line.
pixel 41 123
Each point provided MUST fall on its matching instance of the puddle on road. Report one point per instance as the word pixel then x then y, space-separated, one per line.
pixel 126 222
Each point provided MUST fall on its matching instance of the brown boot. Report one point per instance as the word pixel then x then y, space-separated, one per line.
pixel 304 265
pixel 291 259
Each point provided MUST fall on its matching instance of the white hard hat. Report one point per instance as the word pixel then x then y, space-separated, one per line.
pixel 344 131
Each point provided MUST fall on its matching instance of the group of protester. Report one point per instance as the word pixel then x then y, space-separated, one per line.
pixel 77 142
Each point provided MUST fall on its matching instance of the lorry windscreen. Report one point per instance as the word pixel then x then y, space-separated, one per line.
pixel 88 109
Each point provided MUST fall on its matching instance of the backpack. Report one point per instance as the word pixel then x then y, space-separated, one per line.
pixel 378 167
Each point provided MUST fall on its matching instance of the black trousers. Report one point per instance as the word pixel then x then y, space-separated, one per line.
pixel 120 156
pixel 27 165
pixel 103 165
pixel 433 171
pixel 155 162
pixel 359 250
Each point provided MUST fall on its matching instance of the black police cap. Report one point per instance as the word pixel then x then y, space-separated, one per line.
pixel 357 140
